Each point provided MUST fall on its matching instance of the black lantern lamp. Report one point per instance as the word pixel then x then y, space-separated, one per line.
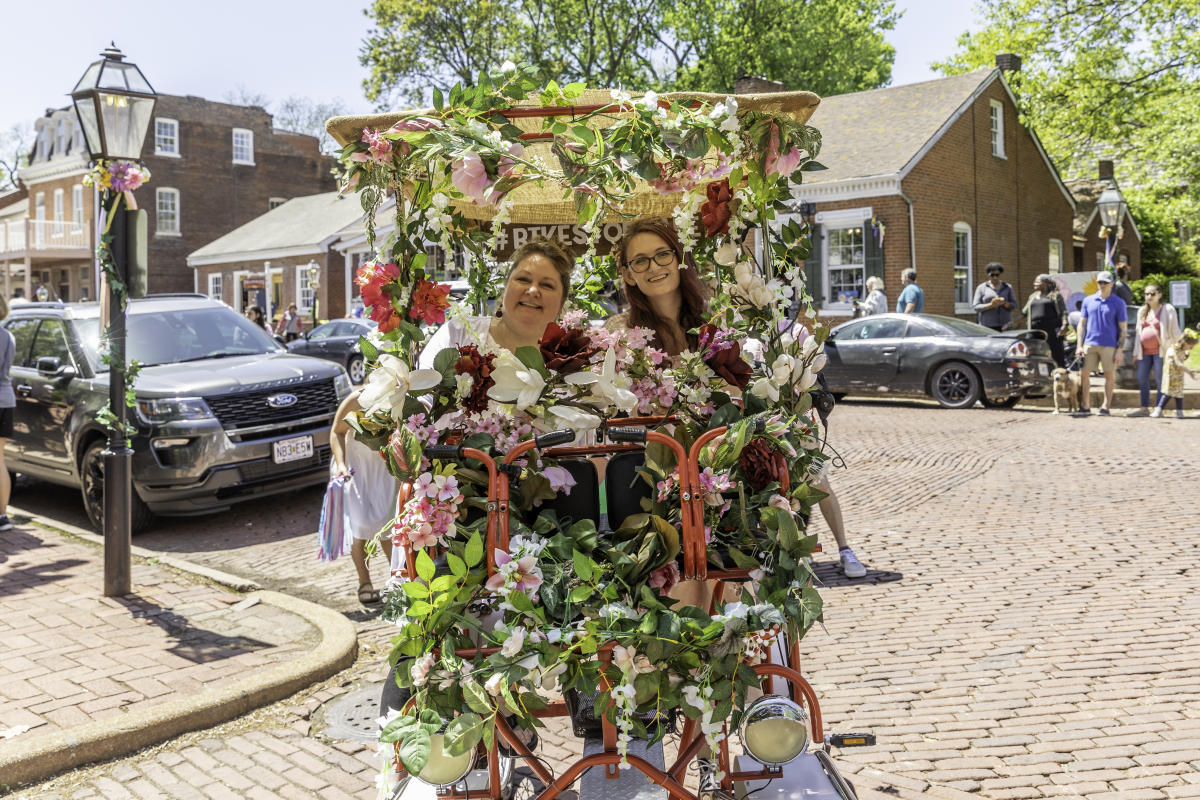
pixel 115 105
pixel 1111 206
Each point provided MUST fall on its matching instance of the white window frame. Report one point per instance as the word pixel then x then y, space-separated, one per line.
pixel 829 222
pixel 968 268
pixel 39 214
pixel 77 208
pixel 58 210
pixel 159 229
pixel 61 138
pixel 996 121
pixel 216 285
pixel 85 284
pixel 250 135
pixel 827 232
pixel 43 143
pixel 303 289
pixel 159 151
pixel 1056 249
pixel 275 202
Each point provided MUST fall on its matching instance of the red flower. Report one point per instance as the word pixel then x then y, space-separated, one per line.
pixel 723 355
pixel 372 278
pixel 479 367
pixel 566 349
pixel 715 212
pixel 762 464
pixel 429 302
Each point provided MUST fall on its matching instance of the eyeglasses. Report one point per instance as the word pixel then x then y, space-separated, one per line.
pixel 993 274
pixel 1150 293
pixel 663 258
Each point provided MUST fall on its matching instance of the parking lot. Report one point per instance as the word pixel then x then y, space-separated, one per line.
pixel 1027 628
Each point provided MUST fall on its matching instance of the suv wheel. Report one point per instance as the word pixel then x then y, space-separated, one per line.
pixel 91 474
pixel 357 369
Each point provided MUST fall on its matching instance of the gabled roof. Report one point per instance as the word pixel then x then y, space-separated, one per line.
pixel 301 225
pixel 1087 192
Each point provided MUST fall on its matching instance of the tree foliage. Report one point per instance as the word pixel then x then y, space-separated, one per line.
pixel 15 144
pixel 826 46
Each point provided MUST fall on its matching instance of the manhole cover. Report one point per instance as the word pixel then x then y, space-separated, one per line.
pixel 354 716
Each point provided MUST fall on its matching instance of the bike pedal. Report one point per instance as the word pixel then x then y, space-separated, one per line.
pixel 852 739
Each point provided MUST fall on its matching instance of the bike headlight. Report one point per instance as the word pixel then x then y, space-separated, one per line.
pixel 172 409
pixel 775 730
pixel 342 384
pixel 443 769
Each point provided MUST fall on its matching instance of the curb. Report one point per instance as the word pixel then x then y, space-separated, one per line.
pixel 42 757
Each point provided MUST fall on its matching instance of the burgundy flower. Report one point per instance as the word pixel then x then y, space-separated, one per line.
pixel 715 212
pixel 566 349
pixel 761 464
pixel 479 367
pixel 725 360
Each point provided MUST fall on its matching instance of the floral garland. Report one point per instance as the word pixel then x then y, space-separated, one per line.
pixel 565 592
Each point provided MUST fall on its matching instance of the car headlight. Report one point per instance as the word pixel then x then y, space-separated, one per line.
pixel 342 384
pixel 172 409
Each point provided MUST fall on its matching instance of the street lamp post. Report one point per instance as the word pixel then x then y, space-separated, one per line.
pixel 314 283
pixel 1112 213
pixel 115 105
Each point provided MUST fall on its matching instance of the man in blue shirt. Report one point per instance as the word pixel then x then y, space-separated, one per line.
pixel 1101 337
pixel 912 298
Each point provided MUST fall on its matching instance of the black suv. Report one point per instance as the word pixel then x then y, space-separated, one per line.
pixel 224 413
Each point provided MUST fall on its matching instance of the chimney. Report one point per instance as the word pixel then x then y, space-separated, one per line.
pixel 1008 62
pixel 1106 170
pixel 748 84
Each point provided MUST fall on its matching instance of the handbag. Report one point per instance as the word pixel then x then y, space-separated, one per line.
pixel 333 535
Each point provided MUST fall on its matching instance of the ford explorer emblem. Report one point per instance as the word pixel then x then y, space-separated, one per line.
pixel 282 400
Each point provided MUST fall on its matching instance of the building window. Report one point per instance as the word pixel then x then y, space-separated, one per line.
pixel 1054 265
pixel 43 144
pixel 167 210
pixel 77 208
pixel 166 137
pixel 275 202
pixel 39 215
pixel 60 138
pixel 243 146
pixel 304 292
pixel 215 285
pixel 845 264
pixel 85 284
pixel 997 112
pixel 59 197
pixel 962 265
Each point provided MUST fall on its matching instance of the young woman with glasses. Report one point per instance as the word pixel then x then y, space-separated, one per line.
pixel 1156 330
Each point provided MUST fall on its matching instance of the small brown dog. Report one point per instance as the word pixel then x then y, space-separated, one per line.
pixel 1068 390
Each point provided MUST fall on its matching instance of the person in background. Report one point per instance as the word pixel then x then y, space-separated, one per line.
pixel 370 498
pixel 1046 311
pixel 290 325
pixel 1101 336
pixel 1176 365
pixel 994 299
pixel 1121 285
pixel 876 300
pixel 259 317
pixel 8 403
pixel 912 296
pixel 1156 328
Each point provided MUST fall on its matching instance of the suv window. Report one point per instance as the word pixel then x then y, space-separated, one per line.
pixel 51 341
pixel 23 331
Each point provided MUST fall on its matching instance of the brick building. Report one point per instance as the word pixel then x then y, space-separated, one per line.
pixel 213 167
pixel 939 176
pixel 1089 244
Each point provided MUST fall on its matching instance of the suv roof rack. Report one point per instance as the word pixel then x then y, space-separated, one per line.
pixel 174 294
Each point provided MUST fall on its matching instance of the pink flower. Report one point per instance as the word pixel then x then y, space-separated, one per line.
pixel 495 684
pixel 420 669
pixel 560 479
pixel 665 577
pixel 775 163
pixel 379 148
pixel 630 662
pixel 518 575
pixel 506 164
pixel 470 177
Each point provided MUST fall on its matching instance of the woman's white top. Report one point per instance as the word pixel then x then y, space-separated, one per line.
pixel 460 332
pixel 876 302
pixel 370 495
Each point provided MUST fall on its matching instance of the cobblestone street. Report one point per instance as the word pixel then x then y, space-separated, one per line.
pixel 1027 628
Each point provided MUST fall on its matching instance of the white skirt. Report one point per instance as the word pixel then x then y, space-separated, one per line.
pixel 370 499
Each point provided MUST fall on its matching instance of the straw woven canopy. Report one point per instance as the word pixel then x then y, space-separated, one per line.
pixel 534 204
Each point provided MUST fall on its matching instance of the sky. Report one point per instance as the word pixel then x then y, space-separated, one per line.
pixel 279 49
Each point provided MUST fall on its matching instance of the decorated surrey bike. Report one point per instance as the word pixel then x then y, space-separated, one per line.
pixel 514 587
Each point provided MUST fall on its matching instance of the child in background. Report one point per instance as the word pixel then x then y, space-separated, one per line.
pixel 1176 364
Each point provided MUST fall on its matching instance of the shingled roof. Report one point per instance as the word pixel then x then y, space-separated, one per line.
pixel 302 224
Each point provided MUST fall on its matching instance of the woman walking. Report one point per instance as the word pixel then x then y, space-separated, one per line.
pixel 290 325
pixel 1157 328
pixel 876 300
pixel 1046 311
pixel 8 402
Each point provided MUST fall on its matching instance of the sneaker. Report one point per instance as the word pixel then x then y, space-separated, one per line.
pixel 851 566
pixel 5 523
pixel 1084 412
pixel 1156 413
pixel 1138 412
pixel 1178 415
pixel 1104 412
pixel 708 776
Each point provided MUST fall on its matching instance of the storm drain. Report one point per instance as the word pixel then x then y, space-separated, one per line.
pixel 354 716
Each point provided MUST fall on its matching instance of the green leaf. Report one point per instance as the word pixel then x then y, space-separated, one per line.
pixel 457 565
pixel 397 729
pixel 473 553
pixel 463 733
pixel 532 358
pixel 414 750
pixel 477 698
pixel 425 567
pixel 415 589
pixel 439 102
pixel 573 90
pixel 580 593
pixel 419 609
pixel 583 565
pixel 370 352
pixel 445 360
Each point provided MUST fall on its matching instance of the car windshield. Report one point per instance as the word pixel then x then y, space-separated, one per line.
pixel 961 326
pixel 169 337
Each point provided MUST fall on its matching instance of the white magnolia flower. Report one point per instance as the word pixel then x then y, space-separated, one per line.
pixel 607 386
pixel 513 644
pixel 575 419
pixel 390 382
pixel 763 388
pixel 649 100
pixel 726 254
pixel 515 383
pixel 781 370
pixel 818 363
pixel 619 96
pixel 805 380
pixel 463 384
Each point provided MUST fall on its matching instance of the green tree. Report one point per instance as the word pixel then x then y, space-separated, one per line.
pixel 15 144
pixel 827 46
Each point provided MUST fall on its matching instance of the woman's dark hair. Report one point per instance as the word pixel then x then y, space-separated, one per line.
pixel 693 307
pixel 563 264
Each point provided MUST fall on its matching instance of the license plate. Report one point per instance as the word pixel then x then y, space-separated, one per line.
pixel 296 449
pixel 1043 369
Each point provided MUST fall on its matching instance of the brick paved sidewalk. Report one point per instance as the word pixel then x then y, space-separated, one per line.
pixel 72 656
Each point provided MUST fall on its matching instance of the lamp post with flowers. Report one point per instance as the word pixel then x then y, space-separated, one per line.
pixel 115 104
pixel 1111 206
pixel 314 284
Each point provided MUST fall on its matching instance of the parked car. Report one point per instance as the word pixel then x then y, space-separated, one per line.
pixel 337 340
pixel 954 361
pixel 223 413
